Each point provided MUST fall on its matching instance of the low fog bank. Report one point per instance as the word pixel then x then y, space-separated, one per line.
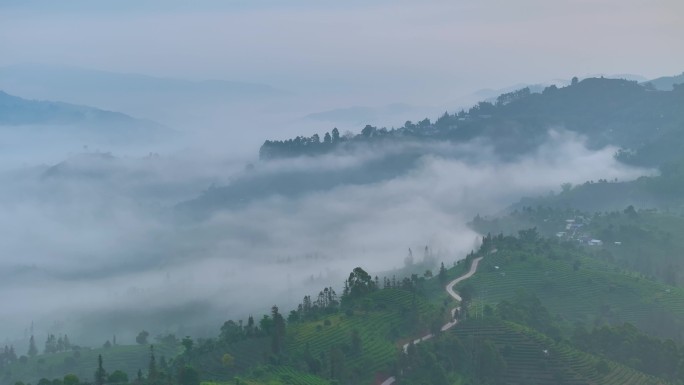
pixel 93 246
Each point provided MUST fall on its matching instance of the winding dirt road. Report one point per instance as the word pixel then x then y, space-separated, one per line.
pixel 448 325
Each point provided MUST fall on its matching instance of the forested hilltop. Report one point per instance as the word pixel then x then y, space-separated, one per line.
pixel 647 123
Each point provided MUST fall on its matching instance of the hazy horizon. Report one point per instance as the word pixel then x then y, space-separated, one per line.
pixel 429 51
pixel 90 228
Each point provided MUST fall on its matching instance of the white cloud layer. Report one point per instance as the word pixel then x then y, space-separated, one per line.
pixel 81 248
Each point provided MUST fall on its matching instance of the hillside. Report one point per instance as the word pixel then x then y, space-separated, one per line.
pixel 662 189
pixel 666 83
pixel 531 357
pixel 577 287
pixel 505 336
pixel 643 241
pixel 532 344
pixel 261 182
pixel 24 115
pixel 354 346
pixel 613 112
pixel 607 112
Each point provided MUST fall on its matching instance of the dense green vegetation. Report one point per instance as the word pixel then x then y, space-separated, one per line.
pixel 647 123
pixel 518 329
pixel 82 362
pixel 576 287
pixel 530 357
pixel 351 340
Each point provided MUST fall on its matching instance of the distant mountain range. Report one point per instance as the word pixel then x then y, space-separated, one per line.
pixel 24 114
pixel 19 111
pixel 666 83
pixel 171 101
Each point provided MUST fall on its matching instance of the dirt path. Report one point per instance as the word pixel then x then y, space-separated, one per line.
pixel 448 325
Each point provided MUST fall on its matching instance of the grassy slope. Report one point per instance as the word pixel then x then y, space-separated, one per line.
pixel 527 363
pixel 595 293
pixel 272 375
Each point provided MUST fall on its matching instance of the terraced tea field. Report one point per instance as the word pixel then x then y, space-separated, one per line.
pixel 274 375
pixel 592 293
pixel 532 358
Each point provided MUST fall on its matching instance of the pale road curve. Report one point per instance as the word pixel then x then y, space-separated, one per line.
pixel 448 325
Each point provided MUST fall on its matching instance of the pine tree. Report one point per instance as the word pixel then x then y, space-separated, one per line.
pixel 12 354
pixel 51 344
pixel 442 273
pixel 152 373
pixel 60 344
pixel 33 351
pixel 163 364
pixel 278 329
pixel 250 326
pixel 100 373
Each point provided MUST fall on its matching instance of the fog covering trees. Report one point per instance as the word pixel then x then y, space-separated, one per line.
pixel 170 240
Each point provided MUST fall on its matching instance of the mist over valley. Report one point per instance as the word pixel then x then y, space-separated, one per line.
pixel 347 193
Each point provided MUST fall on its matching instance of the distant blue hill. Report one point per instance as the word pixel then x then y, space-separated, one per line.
pixel 25 114
pixel 666 83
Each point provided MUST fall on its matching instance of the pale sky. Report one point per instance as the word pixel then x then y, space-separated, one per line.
pixel 430 49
